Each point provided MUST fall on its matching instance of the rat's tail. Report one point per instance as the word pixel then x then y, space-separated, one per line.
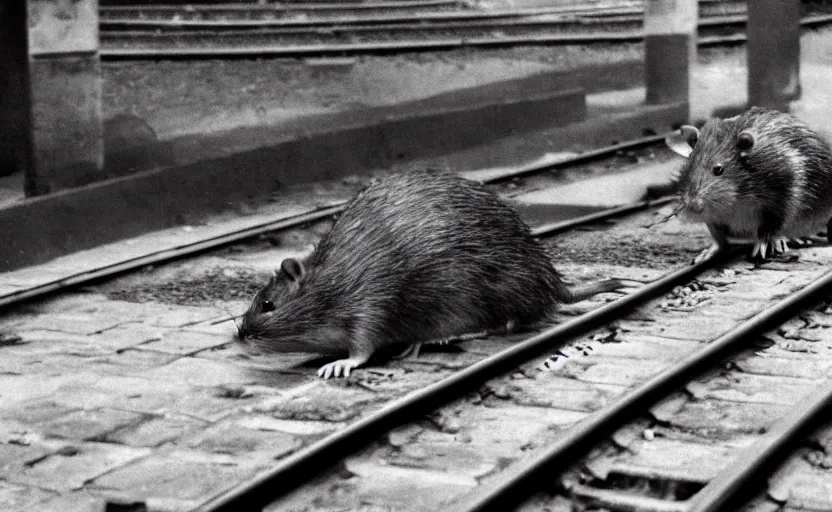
pixel 584 292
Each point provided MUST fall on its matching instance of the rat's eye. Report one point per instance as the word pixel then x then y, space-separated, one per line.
pixel 718 170
pixel 267 306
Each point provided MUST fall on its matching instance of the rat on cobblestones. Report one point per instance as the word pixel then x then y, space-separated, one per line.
pixel 420 256
pixel 763 175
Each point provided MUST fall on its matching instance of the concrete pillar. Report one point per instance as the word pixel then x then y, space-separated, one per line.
pixel 773 53
pixel 66 95
pixel 670 30
pixel 15 114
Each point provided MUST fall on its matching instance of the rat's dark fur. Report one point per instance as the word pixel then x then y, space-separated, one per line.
pixel 419 256
pixel 762 175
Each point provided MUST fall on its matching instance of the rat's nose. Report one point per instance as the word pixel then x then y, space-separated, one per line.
pixel 696 205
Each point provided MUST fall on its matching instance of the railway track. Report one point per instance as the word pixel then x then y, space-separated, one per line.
pixel 495 438
pixel 187 39
pixel 472 428
pixel 250 11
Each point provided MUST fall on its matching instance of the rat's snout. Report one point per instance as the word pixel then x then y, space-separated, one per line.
pixel 695 204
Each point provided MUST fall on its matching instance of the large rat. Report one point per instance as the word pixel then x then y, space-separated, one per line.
pixel 420 256
pixel 763 175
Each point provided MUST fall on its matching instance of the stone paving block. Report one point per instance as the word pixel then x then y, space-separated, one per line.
pixel 16 389
pixel 180 316
pixel 218 374
pixel 318 401
pixel 126 336
pixel 633 346
pixel 205 404
pixel 69 470
pixel 619 371
pixel 406 488
pixel 15 364
pixel 91 390
pixel 450 358
pixel 744 387
pixel 183 342
pixel 198 371
pixel 226 328
pixel 129 361
pixel 797 349
pixel 669 460
pixel 550 390
pixel 446 457
pixel 298 428
pixel 78 501
pixel 159 396
pixel 52 365
pixel 175 475
pixel 21 448
pixel 48 343
pixel 155 431
pixel 726 307
pixel 492 344
pixel 72 323
pixel 231 437
pixel 35 411
pixel 818 255
pixel 14 498
pixel 394 380
pixel 502 431
pixel 725 417
pixel 90 425
pixel 693 327
pixel 786 367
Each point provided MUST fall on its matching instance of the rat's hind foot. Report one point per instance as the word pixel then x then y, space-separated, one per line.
pixel 341 367
pixel 773 249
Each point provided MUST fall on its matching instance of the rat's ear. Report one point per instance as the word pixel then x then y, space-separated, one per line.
pixel 683 140
pixel 293 268
pixel 745 142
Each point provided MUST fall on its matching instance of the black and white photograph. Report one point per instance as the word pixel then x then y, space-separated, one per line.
pixel 416 255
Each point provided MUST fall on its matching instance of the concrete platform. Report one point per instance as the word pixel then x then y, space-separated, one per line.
pixel 436 132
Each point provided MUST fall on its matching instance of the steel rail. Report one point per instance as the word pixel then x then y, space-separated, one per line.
pixel 230 52
pixel 575 11
pixel 201 36
pixel 753 462
pixel 191 249
pixel 327 22
pixel 275 7
pixel 518 482
pixel 586 156
pixel 295 469
pixel 554 228
pixel 430 20
pixel 392 47
pixel 163 255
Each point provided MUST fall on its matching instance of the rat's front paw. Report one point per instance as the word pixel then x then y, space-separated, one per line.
pixel 339 368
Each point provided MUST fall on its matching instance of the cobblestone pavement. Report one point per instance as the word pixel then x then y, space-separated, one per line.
pixel 120 393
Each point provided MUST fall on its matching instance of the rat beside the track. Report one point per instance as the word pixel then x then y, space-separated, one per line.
pixel 419 256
